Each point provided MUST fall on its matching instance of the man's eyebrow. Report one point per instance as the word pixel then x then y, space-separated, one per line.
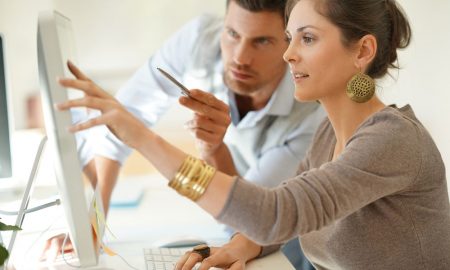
pixel 264 37
pixel 269 37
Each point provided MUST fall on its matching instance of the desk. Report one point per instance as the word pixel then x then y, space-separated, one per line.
pixel 161 213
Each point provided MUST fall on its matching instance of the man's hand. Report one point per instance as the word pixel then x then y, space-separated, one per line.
pixel 210 122
pixel 53 247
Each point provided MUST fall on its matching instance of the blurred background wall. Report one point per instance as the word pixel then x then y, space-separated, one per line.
pixel 115 37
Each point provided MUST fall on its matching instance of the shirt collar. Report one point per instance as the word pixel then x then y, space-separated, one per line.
pixel 280 104
pixel 282 100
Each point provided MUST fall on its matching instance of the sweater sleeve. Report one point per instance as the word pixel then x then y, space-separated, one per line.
pixel 382 158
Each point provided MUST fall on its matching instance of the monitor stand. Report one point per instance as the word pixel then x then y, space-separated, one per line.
pixel 26 196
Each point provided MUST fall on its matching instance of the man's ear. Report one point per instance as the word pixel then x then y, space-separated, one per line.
pixel 366 51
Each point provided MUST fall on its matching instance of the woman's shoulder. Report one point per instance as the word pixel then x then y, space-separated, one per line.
pixel 394 122
pixel 324 130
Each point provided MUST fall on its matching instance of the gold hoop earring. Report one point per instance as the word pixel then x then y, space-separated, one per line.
pixel 361 88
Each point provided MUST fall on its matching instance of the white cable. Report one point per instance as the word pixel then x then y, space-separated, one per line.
pixel 78 266
pixel 122 258
pixel 38 237
pixel 31 210
pixel 63 255
pixel 126 262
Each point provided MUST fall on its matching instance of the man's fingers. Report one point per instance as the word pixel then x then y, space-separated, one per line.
pixel 209 99
pixel 205 136
pixel 53 251
pixel 44 250
pixel 51 247
pixel 219 116
pixel 205 124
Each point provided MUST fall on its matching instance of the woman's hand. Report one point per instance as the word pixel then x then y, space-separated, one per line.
pixel 119 121
pixel 210 121
pixel 234 255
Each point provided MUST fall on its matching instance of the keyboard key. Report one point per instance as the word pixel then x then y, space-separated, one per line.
pixel 157 258
pixel 163 258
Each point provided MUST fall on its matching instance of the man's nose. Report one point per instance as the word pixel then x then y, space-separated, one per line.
pixel 243 55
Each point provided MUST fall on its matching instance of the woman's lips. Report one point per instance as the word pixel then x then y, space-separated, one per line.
pixel 299 76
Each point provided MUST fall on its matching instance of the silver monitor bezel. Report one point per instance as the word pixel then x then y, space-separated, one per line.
pixel 66 163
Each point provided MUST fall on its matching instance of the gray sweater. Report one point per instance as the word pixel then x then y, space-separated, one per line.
pixel 382 204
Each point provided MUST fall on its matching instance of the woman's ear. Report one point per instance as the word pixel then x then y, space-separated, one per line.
pixel 367 50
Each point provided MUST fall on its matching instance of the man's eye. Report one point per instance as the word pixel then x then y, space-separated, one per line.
pixel 262 41
pixel 232 34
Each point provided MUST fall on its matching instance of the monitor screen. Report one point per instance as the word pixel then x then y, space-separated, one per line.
pixel 55 46
pixel 5 147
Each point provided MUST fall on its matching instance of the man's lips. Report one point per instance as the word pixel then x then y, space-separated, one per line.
pixel 240 75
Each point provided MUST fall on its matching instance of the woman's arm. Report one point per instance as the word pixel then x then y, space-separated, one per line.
pixel 164 156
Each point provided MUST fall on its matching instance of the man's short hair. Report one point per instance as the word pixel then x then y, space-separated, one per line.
pixel 262 5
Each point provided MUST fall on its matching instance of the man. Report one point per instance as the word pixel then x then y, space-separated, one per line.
pixel 239 61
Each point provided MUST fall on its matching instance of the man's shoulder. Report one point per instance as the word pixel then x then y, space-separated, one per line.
pixel 207 23
pixel 206 51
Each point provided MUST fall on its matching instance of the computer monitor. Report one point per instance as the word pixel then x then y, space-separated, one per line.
pixel 5 123
pixel 55 45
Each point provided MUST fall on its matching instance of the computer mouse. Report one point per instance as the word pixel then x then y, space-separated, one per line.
pixel 179 241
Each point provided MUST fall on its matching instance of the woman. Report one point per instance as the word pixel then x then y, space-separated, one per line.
pixel 371 193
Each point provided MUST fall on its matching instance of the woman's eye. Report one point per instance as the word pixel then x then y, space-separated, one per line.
pixel 308 39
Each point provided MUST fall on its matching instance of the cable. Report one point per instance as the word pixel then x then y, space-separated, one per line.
pixel 37 239
pixel 46 205
pixel 31 210
pixel 122 258
pixel 63 255
pixel 79 266
pixel 125 261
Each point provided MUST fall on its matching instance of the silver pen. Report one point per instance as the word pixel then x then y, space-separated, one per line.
pixel 183 88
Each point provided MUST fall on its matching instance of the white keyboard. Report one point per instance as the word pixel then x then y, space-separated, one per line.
pixel 163 258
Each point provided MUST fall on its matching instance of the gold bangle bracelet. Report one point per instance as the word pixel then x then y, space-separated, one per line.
pixel 193 178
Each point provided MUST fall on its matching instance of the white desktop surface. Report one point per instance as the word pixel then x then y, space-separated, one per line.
pixel 161 214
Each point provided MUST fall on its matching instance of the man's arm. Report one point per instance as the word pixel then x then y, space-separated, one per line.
pixel 208 126
pixel 147 96
pixel 103 172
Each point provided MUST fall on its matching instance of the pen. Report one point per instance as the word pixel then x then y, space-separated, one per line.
pixel 183 88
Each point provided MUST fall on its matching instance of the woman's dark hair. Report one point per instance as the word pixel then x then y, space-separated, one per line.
pixel 262 5
pixel 384 19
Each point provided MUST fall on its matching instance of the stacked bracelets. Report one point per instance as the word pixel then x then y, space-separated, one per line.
pixel 192 178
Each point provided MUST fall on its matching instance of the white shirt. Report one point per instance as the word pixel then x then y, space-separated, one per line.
pixel 267 145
